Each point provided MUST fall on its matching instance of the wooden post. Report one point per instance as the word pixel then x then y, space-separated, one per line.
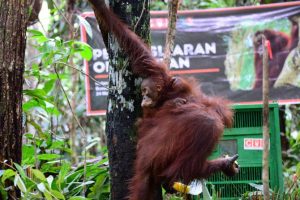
pixel 172 18
pixel 266 134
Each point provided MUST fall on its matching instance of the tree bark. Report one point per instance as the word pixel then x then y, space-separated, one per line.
pixel 14 16
pixel 266 133
pixel 124 98
pixel 13 24
pixel 172 19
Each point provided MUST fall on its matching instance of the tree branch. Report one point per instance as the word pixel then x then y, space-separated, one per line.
pixel 137 23
pixel 266 134
pixel 172 18
pixel 82 130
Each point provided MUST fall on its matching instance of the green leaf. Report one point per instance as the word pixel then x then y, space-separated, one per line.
pixel 298 170
pixel 78 198
pixel 84 183
pixel 48 156
pixel 103 161
pixel 38 174
pixel 7 174
pixel 47 195
pixel 99 187
pixel 57 145
pixel 34 32
pixel 37 128
pixel 35 70
pixel 20 170
pixel 18 182
pixel 29 136
pixel 58 42
pixel 57 194
pixel 3 193
pixel 65 168
pixel 28 154
pixel 37 93
pixel 40 39
pixel 52 111
pixel 49 86
pixel 84 50
pixel 67 150
pixel 62 76
pixel 86 25
pixel 30 104
pixel 39 36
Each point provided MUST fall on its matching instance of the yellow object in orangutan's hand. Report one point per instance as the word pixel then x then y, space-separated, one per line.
pixel 180 187
pixel 195 188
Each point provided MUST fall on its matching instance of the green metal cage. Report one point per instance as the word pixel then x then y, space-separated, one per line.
pixel 245 138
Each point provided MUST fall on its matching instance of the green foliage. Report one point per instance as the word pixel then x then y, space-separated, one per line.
pixel 292 154
pixel 158 5
pixel 56 50
pixel 56 178
pixel 54 53
pixel 65 183
pixel 257 193
pixel 46 171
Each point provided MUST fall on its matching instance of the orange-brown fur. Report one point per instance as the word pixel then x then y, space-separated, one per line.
pixel 174 139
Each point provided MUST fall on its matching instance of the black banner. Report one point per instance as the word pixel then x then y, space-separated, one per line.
pixel 221 48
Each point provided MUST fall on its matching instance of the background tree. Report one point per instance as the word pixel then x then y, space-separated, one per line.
pixel 14 16
pixel 13 24
pixel 124 97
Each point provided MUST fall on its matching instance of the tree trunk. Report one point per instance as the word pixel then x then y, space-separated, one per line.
pixel 13 20
pixel 124 99
pixel 13 23
pixel 266 132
